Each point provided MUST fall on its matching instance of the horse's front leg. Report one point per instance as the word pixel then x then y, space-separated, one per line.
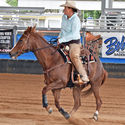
pixel 56 94
pixel 51 86
pixel 77 99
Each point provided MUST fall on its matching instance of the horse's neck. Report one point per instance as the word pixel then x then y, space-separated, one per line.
pixel 45 53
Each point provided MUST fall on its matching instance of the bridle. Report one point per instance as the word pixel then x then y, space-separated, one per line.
pixel 28 47
pixel 50 69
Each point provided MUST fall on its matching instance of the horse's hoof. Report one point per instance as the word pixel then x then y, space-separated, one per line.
pixel 66 115
pixel 50 110
pixel 95 117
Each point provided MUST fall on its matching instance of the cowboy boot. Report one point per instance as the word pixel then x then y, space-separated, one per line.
pixel 82 79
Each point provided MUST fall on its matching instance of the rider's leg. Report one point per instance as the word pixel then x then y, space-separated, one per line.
pixel 74 51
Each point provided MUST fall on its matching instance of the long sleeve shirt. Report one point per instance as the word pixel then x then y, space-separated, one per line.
pixel 70 28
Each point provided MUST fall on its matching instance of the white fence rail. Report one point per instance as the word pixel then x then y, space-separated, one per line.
pixel 113 19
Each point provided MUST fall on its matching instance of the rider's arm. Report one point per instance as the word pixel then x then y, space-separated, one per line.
pixel 74 34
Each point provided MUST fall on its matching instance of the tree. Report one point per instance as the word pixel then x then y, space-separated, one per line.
pixel 95 14
pixel 13 3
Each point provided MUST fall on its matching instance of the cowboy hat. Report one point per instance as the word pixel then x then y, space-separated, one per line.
pixel 70 3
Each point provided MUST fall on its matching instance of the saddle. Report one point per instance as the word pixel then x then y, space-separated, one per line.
pixel 86 57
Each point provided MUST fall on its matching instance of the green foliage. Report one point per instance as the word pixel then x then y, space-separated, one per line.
pixel 94 13
pixel 13 3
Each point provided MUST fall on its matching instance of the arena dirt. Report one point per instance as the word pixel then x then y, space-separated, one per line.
pixel 21 103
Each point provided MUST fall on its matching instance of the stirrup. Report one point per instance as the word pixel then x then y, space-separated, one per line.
pixel 80 81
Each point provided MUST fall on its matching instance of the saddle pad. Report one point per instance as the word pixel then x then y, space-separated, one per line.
pixel 84 59
pixel 65 55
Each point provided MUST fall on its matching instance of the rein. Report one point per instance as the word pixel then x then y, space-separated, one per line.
pixel 43 48
pixel 52 68
pixel 51 45
pixel 27 50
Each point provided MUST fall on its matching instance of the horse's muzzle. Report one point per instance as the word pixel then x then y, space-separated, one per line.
pixel 13 56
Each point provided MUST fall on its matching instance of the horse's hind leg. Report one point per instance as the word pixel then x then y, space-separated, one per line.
pixel 98 101
pixel 77 100
pixel 56 94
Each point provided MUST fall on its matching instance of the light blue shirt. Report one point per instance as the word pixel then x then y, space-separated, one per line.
pixel 70 28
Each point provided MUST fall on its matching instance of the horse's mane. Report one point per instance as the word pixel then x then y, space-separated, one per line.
pixel 33 30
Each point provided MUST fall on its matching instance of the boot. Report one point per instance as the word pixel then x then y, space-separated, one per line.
pixel 83 79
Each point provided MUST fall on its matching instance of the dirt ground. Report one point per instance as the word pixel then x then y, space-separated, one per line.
pixel 20 103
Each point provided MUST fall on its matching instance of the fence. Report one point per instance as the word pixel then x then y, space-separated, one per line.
pixel 110 26
pixel 114 37
pixel 26 62
pixel 113 19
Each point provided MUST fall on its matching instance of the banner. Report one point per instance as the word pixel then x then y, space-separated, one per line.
pixel 6 40
pixel 113 44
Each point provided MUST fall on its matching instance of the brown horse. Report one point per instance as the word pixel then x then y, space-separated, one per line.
pixel 58 73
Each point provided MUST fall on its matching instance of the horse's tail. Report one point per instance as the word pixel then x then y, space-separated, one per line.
pixel 89 91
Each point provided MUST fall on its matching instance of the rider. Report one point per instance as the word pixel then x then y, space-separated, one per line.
pixel 70 34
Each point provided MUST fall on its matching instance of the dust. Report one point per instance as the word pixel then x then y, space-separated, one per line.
pixel 76 121
pixel 85 121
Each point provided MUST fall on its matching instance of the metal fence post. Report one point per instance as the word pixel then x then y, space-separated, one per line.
pixel 83 37
pixel 14 33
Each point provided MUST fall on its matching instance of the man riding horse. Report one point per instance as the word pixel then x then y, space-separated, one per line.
pixel 70 34
pixel 57 74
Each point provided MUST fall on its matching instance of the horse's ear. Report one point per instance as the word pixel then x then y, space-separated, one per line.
pixel 34 28
pixel 28 29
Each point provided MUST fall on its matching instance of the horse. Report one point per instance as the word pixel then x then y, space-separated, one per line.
pixel 57 72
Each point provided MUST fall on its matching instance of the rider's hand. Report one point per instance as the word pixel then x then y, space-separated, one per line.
pixel 58 42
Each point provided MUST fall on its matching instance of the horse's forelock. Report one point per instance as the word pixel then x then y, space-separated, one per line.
pixel 28 30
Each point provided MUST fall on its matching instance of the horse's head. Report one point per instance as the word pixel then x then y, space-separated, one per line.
pixel 23 45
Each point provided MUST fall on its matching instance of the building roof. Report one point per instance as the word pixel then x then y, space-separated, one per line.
pixel 54 4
